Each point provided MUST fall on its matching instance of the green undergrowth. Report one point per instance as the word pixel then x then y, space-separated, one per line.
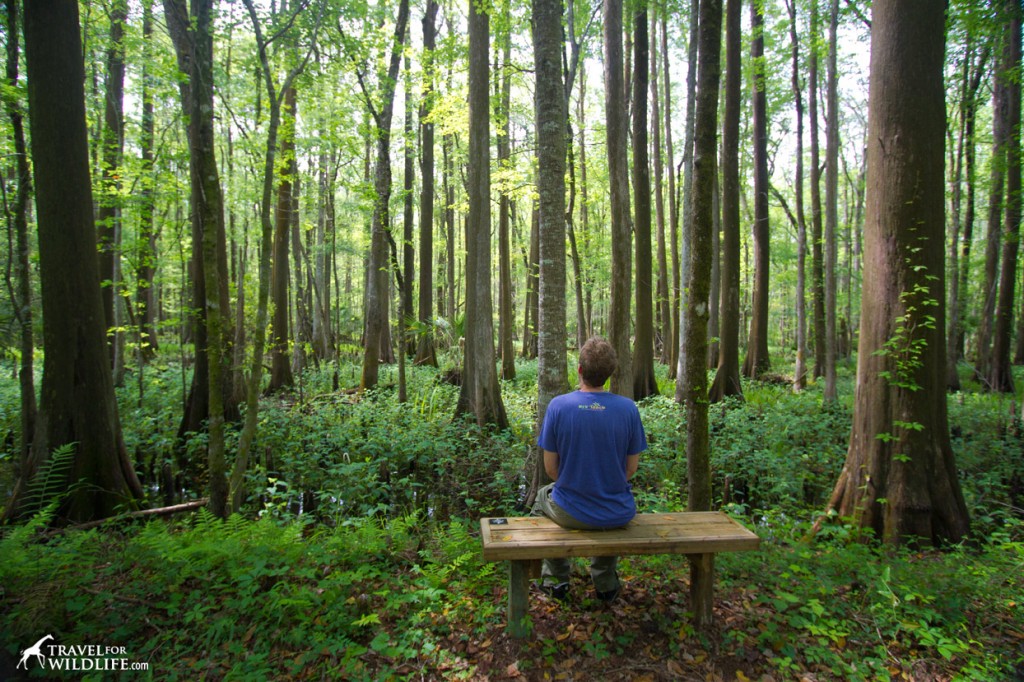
pixel 357 553
pixel 262 599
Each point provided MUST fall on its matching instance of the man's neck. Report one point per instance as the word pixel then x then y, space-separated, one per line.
pixel 587 388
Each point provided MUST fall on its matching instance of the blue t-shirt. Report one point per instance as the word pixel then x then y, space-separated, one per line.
pixel 593 433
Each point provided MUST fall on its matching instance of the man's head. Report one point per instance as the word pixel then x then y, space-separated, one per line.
pixel 597 362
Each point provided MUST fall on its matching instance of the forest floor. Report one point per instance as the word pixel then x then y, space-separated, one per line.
pixel 359 557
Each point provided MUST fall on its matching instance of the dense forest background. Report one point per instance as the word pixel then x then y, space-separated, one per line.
pixel 316 268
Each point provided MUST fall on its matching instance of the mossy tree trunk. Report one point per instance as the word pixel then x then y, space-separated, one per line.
pixel 900 477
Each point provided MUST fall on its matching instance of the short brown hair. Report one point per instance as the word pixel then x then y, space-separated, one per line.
pixel 598 361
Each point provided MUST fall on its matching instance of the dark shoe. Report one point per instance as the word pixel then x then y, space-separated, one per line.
pixel 559 591
pixel 609 596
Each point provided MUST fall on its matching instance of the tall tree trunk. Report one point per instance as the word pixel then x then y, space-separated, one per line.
pixel 618 178
pixel 377 322
pixel 18 223
pixel 663 300
pixel 681 260
pixel 480 395
pixel 447 147
pixel 831 204
pixel 644 382
pixel 145 273
pixel 193 45
pixel 960 247
pixel 1000 377
pixel 581 278
pixel 695 375
pixel 996 202
pixel 551 114
pixel 77 407
pixel 817 252
pixel 727 378
pixel 900 477
pixel 108 228
pixel 506 317
pixel 800 369
pixel 532 288
pixel 757 361
pixel 425 354
pixel 280 355
pixel 407 343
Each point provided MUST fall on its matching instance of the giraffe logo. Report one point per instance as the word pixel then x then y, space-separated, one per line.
pixel 34 650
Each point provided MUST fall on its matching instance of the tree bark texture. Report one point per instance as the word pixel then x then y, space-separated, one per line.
pixel 757 361
pixel 551 114
pixel 193 45
pixel 425 353
pixel 900 477
pixel 18 219
pixel 506 316
pixel 644 382
pixel 480 395
pixel 616 128
pixel 727 377
pixel 1000 376
pixel 377 297
pixel 698 455
pixel 280 354
pixel 77 407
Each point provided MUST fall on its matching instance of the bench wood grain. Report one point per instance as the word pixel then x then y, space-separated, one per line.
pixel 524 541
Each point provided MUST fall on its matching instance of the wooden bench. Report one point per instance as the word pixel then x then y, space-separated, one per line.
pixel 524 541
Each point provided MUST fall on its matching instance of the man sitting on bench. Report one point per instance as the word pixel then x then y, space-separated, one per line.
pixel 592 440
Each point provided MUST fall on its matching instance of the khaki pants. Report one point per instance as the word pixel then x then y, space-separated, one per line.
pixel 556 571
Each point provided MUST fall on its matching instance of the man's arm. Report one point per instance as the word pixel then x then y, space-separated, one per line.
pixel 632 464
pixel 551 464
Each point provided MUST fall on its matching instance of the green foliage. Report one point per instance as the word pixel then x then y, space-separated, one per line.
pixel 358 557
pixel 49 484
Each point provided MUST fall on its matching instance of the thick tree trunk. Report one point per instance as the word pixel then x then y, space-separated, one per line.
pixel 618 178
pixel 480 395
pixel 77 408
pixel 280 355
pixel 757 361
pixel 900 477
pixel 696 339
pixel 727 378
pixel 551 115
pixel 644 382
pixel 1000 376
pixel 425 354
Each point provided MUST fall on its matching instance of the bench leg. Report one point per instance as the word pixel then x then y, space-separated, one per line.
pixel 518 598
pixel 702 585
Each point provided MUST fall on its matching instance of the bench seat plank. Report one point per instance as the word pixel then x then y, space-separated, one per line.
pixel 535 537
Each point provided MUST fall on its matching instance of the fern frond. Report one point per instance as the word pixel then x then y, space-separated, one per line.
pixel 50 482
